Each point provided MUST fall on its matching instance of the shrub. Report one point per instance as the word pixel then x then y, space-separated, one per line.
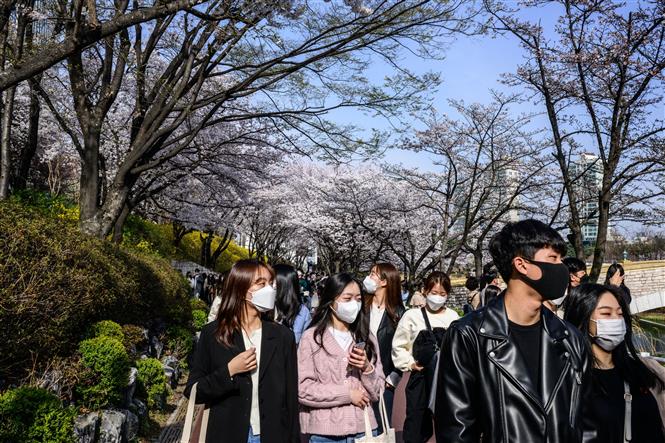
pixel 30 414
pixel 152 382
pixel 106 328
pixel 200 318
pixel 107 369
pixel 56 282
pixel 134 338
pixel 197 303
pixel 179 341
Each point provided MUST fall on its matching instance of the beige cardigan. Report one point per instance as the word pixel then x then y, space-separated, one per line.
pixel 659 370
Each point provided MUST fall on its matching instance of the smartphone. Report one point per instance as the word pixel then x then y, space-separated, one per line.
pixel 360 345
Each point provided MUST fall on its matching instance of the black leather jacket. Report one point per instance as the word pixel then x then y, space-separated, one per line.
pixel 384 337
pixel 484 392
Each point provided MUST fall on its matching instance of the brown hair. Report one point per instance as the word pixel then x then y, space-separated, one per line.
pixel 393 299
pixel 437 278
pixel 232 308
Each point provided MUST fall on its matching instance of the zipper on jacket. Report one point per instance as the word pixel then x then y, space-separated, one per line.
pixel 574 399
pixel 504 423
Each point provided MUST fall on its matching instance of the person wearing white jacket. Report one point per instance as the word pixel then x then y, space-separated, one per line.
pixel 418 424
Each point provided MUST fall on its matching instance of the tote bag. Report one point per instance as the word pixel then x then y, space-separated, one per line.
pixel 388 435
pixel 194 432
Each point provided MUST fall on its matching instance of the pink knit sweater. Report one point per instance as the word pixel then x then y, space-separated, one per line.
pixel 324 385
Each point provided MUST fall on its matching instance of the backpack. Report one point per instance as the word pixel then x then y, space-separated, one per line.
pixel 427 343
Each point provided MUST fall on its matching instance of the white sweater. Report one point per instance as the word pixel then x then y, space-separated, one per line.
pixel 411 323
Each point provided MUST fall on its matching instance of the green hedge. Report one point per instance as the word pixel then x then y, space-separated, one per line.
pixel 55 283
pixel 152 382
pixel 106 372
pixel 32 415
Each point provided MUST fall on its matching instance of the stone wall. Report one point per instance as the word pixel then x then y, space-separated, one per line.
pixel 647 287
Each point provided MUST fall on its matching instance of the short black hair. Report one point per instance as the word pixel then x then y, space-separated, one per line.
pixel 574 264
pixel 522 239
pixel 471 283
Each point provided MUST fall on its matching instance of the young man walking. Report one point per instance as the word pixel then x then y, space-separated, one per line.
pixel 513 371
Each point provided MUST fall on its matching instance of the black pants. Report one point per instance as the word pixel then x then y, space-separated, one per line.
pixel 418 426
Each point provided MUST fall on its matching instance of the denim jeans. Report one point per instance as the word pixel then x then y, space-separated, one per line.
pixel 251 438
pixel 338 439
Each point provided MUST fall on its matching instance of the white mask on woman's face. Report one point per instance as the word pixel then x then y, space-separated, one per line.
pixel 610 332
pixel 370 285
pixel 347 311
pixel 264 299
pixel 436 302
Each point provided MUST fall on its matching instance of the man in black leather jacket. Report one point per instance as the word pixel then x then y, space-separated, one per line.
pixel 513 371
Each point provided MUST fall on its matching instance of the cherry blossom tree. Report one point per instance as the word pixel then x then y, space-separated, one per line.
pixel 599 80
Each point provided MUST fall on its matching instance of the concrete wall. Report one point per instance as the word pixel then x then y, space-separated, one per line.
pixel 647 287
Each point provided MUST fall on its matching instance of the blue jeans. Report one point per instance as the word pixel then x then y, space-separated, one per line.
pixel 251 438
pixel 338 439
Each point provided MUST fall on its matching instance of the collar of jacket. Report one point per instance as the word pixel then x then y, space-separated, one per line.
pixel 556 356
pixel 269 333
pixel 495 321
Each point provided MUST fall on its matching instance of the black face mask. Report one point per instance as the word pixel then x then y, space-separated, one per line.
pixel 584 279
pixel 554 280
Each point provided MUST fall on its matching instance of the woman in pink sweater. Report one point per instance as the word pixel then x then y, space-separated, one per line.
pixel 339 374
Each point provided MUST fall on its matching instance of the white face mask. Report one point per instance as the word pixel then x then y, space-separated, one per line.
pixel 370 285
pixel 559 301
pixel 347 311
pixel 610 333
pixel 436 302
pixel 264 299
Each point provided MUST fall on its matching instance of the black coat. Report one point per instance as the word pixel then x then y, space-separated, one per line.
pixel 385 335
pixel 230 399
pixel 484 386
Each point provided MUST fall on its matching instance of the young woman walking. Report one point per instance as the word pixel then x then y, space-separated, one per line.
pixel 339 372
pixel 290 311
pixel 245 367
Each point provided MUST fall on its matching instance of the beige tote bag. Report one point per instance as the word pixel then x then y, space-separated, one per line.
pixel 388 435
pixel 195 432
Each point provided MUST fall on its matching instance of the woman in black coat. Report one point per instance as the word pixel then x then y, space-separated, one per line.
pixel 385 308
pixel 245 367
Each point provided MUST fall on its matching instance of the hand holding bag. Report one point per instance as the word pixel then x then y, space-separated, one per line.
pixel 195 432
pixel 388 435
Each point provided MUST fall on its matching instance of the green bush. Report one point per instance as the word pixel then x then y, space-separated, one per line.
pixel 29 414
pixel 106 372
pixel 197 303
pixel 134 338
pixel 152 382
pixel 179 341
pixel 56 282
pixel 200 318
pixel 106 328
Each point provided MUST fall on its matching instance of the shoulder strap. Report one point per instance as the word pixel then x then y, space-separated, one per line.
pixel 627 418
pixel 429 327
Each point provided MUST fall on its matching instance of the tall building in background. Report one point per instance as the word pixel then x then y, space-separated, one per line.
pixel 508 181
pixel 587 175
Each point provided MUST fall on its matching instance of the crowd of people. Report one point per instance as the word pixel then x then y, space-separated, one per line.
pixel 540 354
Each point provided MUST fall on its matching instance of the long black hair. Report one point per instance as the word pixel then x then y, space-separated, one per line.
pixel 613 269
pixel 582 302
pixel 287 303
pixel 359 329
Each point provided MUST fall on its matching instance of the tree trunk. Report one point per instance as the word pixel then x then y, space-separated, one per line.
pixel 601 239
pixel 478 261
pixel 120 223
pixel 30 147
pixel 179 232
pixel 89 188
pixel 99 223
pixel 5 142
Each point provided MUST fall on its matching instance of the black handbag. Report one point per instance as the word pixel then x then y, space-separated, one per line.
pixel 427 342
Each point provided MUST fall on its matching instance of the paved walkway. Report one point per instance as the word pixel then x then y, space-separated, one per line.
pixel 173 429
